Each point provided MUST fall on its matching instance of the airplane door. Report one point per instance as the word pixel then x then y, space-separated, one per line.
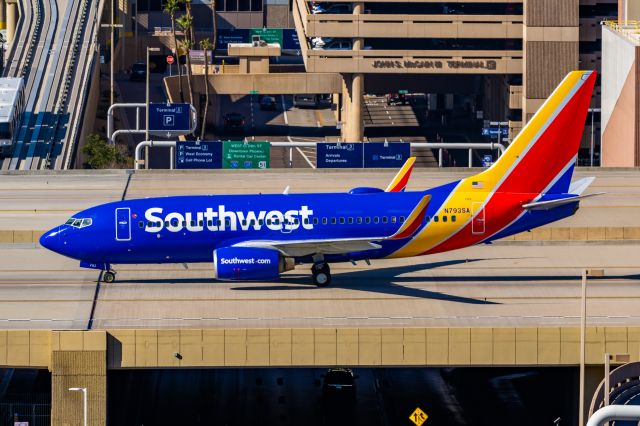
pixel 478 221
pixel 123 224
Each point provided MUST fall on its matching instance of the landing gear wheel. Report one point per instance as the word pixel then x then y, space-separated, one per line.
pixel 109 277
pixel 321 274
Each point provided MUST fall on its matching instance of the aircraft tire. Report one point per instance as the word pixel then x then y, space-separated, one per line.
pixel 109 277
pixel 321 274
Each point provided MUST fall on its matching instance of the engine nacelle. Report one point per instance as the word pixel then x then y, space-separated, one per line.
pixel 249 264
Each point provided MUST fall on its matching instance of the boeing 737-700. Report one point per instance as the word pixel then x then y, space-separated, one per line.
pixel 258 237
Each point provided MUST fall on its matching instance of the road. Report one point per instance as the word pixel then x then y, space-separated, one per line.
pixel 504 284
pixel 485 286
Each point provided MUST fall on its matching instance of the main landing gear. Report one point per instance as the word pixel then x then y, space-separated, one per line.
pixel 109 277
pixel 321 274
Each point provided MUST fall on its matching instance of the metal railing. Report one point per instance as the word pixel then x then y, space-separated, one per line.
pixel 291 145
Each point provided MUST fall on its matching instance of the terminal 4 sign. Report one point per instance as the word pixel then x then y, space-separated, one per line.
pixel 170 120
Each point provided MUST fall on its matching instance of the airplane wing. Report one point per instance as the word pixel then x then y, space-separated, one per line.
pixel 400 181
pixel 297 248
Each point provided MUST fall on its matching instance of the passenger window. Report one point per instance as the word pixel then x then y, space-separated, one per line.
pixel 184 223
pixel 359 220
pixel 435 218
pixel 244 222
pixel 342 221
pixel 218 222
pixel 141 224
pixel 260 222
pixel 401 219
pixel 393 219
pixel 376 219
pixel 385 219
pixel 166 223
pixel 367 220
pixel 268 221
pixel 427 218
pixel 227 222
pixel 444 218
pixel 350 220
pixel 306 221
pixel 193 223
pixel 315 220
pixel 453 218
pixel 209 222
pixel 324 220
pixel 333 220
pixel 252 222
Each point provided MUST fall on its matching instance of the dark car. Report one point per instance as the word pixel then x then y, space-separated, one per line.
pixel 267 103
pixel 138 72
pixel 339 385
pixel 233 122
pixel 397 99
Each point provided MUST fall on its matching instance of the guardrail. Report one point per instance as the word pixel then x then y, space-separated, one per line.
pixel 291 145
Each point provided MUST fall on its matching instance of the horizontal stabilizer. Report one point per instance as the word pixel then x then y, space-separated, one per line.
pixel 547 205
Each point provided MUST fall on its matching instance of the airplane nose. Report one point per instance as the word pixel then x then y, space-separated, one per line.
pixel 51 240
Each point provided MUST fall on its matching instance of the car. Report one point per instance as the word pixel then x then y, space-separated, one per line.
pixel 138 72
pixel 339 384
pixel 337 9
pixel 397 99
pixel 233 122
pixel 268 103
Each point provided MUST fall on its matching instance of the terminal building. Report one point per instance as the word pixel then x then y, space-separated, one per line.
pixel 501 58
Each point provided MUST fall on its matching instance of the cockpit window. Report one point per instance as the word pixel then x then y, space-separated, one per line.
pixel 79 222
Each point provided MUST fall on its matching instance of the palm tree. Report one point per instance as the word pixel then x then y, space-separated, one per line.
pixel 170 8
pixel 205 45
pixel 190 15
pixel 215 30
pixel 185 22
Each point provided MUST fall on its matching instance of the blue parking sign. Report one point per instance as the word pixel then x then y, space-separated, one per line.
pixel 169 120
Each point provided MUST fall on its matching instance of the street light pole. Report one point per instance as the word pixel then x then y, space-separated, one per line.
pixel 111 55
pixel 84 400
pixel 146 133
pixel 583 321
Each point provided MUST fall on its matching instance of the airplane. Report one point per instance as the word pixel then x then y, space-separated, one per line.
pixel 260 236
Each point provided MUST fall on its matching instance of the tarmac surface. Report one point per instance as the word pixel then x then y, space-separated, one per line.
pixel 504 284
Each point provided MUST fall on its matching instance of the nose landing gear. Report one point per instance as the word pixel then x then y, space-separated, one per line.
pixel 109 277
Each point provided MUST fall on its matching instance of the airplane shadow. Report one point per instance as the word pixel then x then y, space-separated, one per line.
pixel 379 280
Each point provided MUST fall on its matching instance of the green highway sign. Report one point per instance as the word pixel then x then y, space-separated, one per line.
pixel 246 155
pixel 270 35
pixel 403 92
pixel 253 92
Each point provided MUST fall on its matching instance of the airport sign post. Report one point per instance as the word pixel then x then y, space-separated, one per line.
pixel 339 155
pixel 385 154
pixel 246 155
pixel 199 155
pixel 171 120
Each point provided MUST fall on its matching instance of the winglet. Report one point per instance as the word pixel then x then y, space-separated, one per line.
pixel 400 181
pixel 412 224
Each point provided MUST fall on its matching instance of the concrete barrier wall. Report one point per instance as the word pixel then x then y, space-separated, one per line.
pixel 237 347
